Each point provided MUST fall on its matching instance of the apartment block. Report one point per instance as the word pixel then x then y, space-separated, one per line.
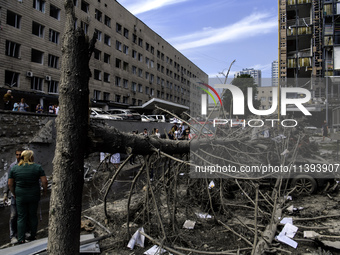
pixel 132 65
pixel 264 94
pixel 275 73
pixel 256 74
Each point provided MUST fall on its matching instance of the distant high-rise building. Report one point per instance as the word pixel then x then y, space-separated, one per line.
pixel 275 73
pixel 256 74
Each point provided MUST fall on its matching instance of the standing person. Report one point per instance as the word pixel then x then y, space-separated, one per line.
pixel 7 194
pixel 56 109
pixel 157 133
pixel 324 130
pixel 23 107
pixel 24 184
pixel 39 108
pixel 7 100
pixel 145 132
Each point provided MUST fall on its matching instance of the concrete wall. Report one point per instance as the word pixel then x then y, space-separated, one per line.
pixel 37 132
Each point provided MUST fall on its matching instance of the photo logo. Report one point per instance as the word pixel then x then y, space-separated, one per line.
pixel 204 97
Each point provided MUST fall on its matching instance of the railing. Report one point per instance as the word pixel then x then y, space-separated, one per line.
pixel 307 21
pixel 292 2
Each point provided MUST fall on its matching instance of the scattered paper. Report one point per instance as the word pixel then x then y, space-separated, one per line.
pixel 310 234
pixel 290 209
pixel 288 232
pixel 287 220
pixel 154 250
pixel 288 197
pixel 189 224
pixel 211 184
pixel 285 152
pixel 137 239
pixel 181 173
pixel 203 215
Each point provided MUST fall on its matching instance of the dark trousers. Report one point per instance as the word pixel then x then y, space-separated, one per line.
pixel 27 213
pixel 8 106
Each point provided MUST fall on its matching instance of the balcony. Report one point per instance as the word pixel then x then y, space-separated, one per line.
pixel 292 2
pixel 306 21
pixel 301 31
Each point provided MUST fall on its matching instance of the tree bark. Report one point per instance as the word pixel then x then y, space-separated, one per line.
pixel 72 127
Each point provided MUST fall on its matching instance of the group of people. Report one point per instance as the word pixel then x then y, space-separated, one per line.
pixel 24 181
pixel 175 133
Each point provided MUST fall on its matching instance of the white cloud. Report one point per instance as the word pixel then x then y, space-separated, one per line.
pixel 254 25
pixel 138 7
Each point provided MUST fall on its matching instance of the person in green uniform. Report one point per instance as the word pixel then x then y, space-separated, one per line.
pixel 23 182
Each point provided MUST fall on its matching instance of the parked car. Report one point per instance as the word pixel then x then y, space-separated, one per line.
pixel 98 113
pixel 126 114
pixel 159 118
pixel 175 120
pixel 145 118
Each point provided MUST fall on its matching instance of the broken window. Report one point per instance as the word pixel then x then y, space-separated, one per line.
pixel 106 77
pixel 106 58
pixel 37 56
pixel 98 15
pixel 12 49
pixel 140 57
pixel 97 75
pixel 11 78
pixel 39 5
pixel 140 42
pixel 53 61
pixel 118 63
pixel 53 36
pixel 140 88
pixel 134 70
pixel 54 12
pixel 134 38
pixel 117 81
pixel 53 87
pixel 125 100
pixel 107 21
pixel 107 40
pixel 38 29
pixel 13 19
pixel 118 28
pixel 36 83
pixel 134 54
pixel 140 72
pixel 85 6
pixel 117 98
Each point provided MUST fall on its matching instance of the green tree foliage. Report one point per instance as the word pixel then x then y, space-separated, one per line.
pixel 243 81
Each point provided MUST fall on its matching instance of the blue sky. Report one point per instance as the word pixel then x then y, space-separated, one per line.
pixel 214 33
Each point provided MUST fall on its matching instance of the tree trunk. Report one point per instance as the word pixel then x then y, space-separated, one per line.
pixel 72 127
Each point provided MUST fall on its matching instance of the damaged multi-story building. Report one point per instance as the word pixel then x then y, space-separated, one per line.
pixel 132 65
pixel 309 51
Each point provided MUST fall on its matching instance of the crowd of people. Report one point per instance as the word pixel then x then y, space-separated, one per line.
pixel 25 179
pixel 177 132
pixel 22 106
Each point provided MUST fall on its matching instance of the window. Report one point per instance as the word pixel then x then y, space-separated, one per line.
pixel 53 61
pixel 134 86
pixel 147 61
pixel 162 56
pixel 125 66
pixel 140 57
pixel 119 28
pixel 38 29
pixel 125 83
pixel 117 98
pixel 152 92
pixel 118 63
pixel 158 80
pixel 151 63
pixel 53 87
pixel 75 23
pixel 140 88
pixel 134 70
pixel 39 5
pixel 147 90
pixel 125 100
pixel 107 21
pixel 147 46
pixel 152 50
pixel 97 75
pixel 158 67
pixel 106 96
pixel 117 81
pixel 12 49
pixel 13 19
pixel 140 72
pixel 158 54
pixel 134 38
pixel 96 94
pixel 85 6
pixel 126 33
pixel 37 56
pixel 106 77
pixel 151 78
pixel 139 102
pixel 54 12
pixel 85 27
pixel 96 54
pixel 118 45
pixel 36 83
pixel 140 42
pixel 134 54
pixel 75 2
pixel 126 49
pixel 53 36
pixel 99 35
pixel 146 75
pixel 106 58
pixel 107 40
pixel 134 101
pixel 11 78
pixel 98 15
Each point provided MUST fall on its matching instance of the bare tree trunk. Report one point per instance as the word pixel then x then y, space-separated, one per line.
pixel 72 128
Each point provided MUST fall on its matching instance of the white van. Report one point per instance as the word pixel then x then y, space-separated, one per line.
pixel 159 118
